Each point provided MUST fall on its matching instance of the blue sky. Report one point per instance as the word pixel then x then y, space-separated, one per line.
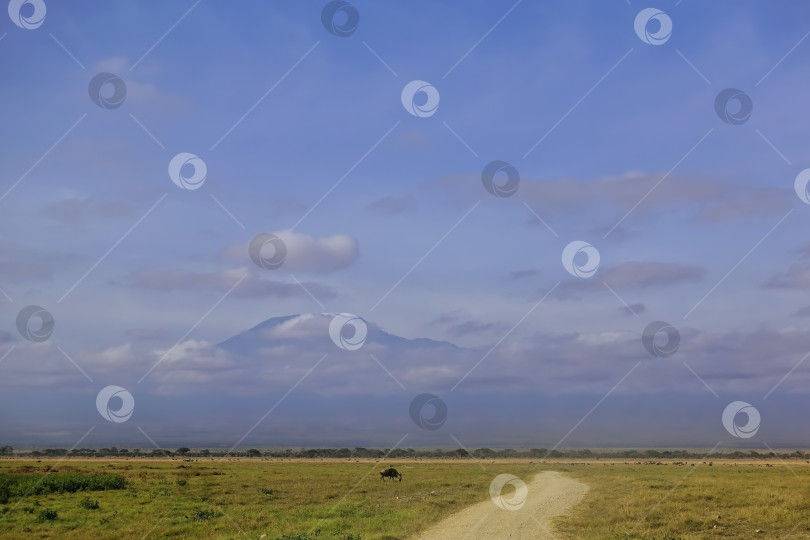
pixel 285 114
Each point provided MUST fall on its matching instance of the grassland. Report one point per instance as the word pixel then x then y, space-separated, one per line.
pixel 730 499
pixel 344 499
pixel 234 499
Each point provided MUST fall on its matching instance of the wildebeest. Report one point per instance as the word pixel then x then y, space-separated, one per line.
pixel 390 473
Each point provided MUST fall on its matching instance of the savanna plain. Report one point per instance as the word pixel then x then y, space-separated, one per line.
pixel 306 499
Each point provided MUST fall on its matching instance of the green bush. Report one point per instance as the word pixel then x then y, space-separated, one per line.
pixel 202 515
pixel 88 504
pixel 47 515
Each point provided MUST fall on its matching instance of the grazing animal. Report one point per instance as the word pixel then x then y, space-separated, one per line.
pixel 390 473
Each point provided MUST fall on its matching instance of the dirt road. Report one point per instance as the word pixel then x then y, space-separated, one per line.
pixel 548 494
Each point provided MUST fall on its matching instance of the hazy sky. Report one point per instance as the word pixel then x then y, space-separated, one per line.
pixel 621 135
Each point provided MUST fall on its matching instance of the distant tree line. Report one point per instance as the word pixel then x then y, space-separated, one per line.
pixel 399 453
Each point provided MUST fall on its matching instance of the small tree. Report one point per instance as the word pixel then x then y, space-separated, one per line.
pixel 183 450
pixel 253 453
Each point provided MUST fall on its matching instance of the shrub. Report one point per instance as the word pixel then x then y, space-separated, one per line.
pixel 265 491
pixel 181 481
pixel 88 504
pixel 202 515
pixel 47 515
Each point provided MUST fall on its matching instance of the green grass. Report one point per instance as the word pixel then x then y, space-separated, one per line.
pixel 345 500
pixel 20 484
pixel 304 500
pixel 684 503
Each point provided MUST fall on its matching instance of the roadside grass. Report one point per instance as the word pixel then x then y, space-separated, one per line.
pixel 345 500
pixel 224 499
pixel 724 501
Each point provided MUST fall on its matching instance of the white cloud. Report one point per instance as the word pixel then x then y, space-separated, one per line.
pixel 307 253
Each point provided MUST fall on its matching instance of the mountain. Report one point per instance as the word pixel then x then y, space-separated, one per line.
pixel 313 331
